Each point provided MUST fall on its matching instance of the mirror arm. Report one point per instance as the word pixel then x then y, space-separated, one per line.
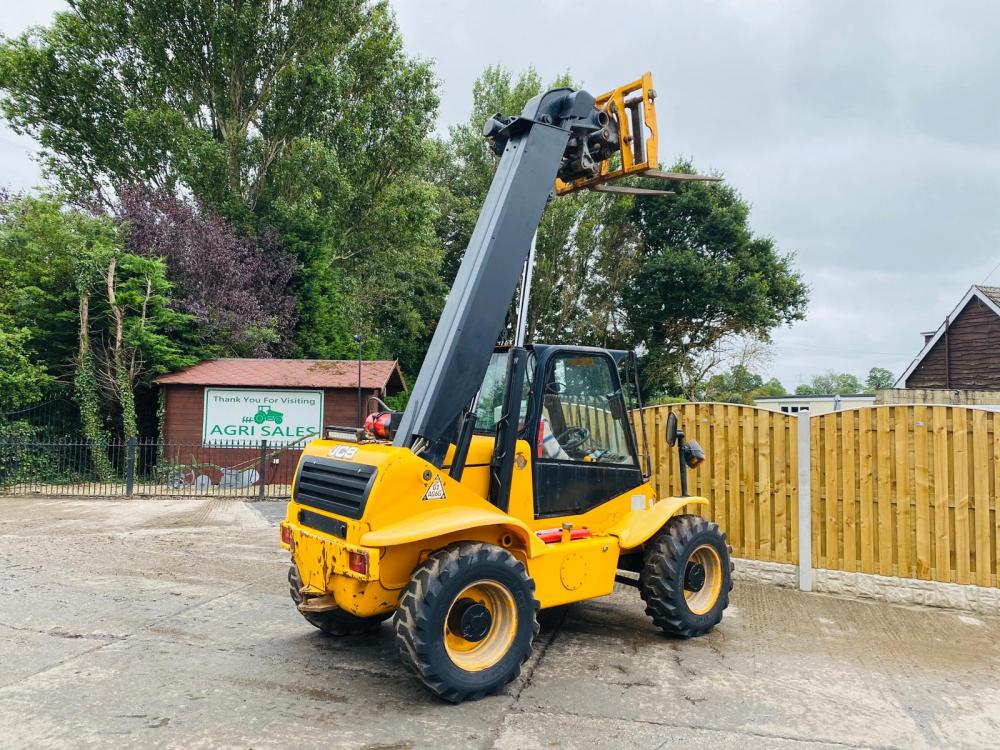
pixel 683 463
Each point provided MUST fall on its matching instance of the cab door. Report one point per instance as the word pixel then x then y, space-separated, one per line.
pixel 585 451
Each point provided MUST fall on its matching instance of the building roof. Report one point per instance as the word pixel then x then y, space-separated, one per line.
pixel 993 292
pixel 290 373
pixel 990 296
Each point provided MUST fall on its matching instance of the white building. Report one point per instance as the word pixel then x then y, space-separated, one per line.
pixel 815 404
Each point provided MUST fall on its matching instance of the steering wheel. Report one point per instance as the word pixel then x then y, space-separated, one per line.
pixel 573 437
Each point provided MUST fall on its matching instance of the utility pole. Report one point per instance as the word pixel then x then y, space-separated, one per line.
pixel 357 339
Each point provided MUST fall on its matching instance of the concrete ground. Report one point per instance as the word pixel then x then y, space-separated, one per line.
pixel 167 624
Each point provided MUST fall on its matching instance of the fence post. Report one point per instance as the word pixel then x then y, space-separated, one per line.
pixel 805 503
pixel 130 467
pixel 263 468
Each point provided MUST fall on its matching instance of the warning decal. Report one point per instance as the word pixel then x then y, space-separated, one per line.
pixel 436 490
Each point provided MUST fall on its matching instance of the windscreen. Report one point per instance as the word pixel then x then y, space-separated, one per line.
pixel 490 405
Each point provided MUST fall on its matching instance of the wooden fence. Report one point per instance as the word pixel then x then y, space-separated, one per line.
pixel 905 491
pixel 593 414
pixel 749 477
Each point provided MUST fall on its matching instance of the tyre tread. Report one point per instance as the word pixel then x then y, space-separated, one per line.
pixel 663 576
pixel 413 639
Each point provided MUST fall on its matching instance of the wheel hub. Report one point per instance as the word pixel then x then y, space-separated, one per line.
pixel 470 619
pixel 694 576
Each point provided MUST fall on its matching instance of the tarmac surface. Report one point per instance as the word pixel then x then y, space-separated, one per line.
pixel 167 623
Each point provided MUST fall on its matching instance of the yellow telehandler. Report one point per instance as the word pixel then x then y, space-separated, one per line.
pixel 514 480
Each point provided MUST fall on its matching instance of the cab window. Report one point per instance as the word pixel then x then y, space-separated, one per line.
pixel 489 407
pixel 583 413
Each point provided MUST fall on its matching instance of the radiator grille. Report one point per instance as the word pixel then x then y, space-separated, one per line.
pixel 339 487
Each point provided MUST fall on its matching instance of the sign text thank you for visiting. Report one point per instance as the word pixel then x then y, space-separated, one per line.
pixel 278 416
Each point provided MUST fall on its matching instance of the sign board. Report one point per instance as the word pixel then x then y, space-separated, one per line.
pixel 252 415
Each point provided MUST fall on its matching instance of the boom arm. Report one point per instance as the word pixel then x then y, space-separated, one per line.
pixel 563 141
pixel 535 148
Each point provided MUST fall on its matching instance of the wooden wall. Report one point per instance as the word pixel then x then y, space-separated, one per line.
pixel 967 356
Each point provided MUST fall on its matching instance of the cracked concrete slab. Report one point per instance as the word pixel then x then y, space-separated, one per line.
pixel 166 623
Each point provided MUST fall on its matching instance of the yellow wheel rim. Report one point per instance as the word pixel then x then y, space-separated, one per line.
pixel 700 600
pixel 480 626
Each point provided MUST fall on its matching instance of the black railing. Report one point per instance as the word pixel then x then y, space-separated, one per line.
pixel 147 467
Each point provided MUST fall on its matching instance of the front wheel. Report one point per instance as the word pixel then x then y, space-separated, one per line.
pixel 686 576
pixel 466 621
pixel 335 622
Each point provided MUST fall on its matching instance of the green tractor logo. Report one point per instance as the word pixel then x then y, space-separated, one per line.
pixel 267 414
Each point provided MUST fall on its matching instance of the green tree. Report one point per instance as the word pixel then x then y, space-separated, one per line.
pixel 39 248
pixel 141 335
pixel 830 383
pixel 85 312
pixel 878 378
pixel 733 386
pixel 305 116
pixel 703 275
pixel 738 385
pixel 22 379
pixel 771 389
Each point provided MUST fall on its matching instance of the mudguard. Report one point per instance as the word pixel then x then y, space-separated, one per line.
pixel 442 521
pixel 637 526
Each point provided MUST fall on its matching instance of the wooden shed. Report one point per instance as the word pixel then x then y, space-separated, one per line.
pixel 219 412
pixel 964 351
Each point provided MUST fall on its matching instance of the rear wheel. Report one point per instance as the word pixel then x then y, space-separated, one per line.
pixel 687 576
pixel 336 622
pixel 466 621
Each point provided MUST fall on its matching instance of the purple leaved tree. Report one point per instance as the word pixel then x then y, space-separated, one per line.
pixel 235 285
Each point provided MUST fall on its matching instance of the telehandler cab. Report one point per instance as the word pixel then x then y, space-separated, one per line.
pixel 514 480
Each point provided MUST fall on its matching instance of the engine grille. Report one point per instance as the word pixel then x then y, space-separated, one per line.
pixel 339 487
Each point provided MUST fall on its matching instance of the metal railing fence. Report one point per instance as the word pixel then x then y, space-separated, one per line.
pixel 75 466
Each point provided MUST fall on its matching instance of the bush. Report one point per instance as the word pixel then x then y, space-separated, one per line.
pixel 22 457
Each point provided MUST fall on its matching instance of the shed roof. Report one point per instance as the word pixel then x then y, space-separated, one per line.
pixel 993 292
pixel 290 373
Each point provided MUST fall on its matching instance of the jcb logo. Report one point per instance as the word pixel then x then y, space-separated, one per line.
pixel 343 451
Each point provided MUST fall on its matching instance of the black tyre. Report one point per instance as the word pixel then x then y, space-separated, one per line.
pixel 687 576
pixel 336 622
pixel 466 621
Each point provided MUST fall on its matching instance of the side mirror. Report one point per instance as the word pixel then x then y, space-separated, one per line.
pixel 671 429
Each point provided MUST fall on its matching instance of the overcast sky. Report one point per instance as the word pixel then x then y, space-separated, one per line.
pixel 866 135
